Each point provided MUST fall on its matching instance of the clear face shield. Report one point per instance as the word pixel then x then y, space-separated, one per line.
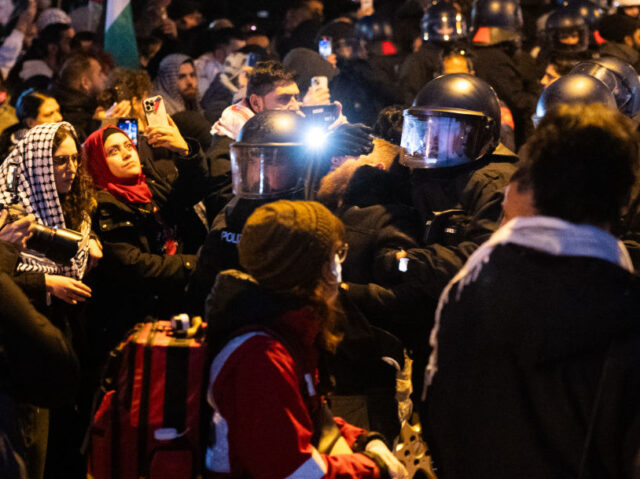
pixel 440 139
pixel 448 29
pixel 266 171
pixel 621 92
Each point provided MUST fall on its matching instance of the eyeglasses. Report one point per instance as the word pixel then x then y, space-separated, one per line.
pixel 61 160
pixel 342 251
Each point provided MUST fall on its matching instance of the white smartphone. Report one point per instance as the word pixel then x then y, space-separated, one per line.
pixel 155 111
pixel 318 83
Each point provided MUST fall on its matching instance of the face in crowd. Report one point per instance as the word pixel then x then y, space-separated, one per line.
pixel 283 97
pixel 187 81
pixel 49 112
pixel 122 157
pixel 65 165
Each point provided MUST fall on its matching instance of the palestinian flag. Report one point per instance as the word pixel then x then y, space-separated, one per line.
pixel 119 34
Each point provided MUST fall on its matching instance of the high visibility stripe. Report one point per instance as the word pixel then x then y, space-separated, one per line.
pixel 224 354
pixel 312 468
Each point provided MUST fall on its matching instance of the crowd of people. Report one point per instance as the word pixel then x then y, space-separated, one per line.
pixel 416 215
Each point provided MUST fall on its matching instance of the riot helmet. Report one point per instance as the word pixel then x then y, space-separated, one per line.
pixel 455 119
pixel 591 12
pixel 567 31
pixel 571 89
pixel 268 158
pixel 621 79
pixel 443 22
pixel 376 33
pixel 496 21
pixel 373 28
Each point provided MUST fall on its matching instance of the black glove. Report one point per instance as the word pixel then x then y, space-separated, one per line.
pixel 350 140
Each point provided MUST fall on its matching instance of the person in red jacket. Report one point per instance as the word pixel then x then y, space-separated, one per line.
pixel 270 418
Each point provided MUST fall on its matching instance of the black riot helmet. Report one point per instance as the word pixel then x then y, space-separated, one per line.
pixel 268 158
pixel 591 12
pixel 567 31
pixel 455 119
pixel 443 22
pixel 496 21
pixel 621 79
pixel 571 89
pixel 373 28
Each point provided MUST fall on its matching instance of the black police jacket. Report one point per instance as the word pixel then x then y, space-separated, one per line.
pixel 418 69
pixel 514 83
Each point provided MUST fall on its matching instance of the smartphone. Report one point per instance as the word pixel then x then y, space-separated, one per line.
pixel 155 111
pixel 318 83
pixel 322 115
pixel 324 47
pixel 252 59
pixel 130 127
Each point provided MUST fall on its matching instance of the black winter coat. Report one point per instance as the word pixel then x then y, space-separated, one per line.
pixel 515 82
pixel 418 69
pixel 521 349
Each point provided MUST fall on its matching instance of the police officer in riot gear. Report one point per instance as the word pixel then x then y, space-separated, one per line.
pixel 497 26
pixel 276 155
pixel 443 28
pixel 571 89
pixel 620 77
pixel 456 172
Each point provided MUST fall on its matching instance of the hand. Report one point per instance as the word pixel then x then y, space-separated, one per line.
pixel 67 289
pixel 17 232
pixel 333 59
pixel 119 110
pixel 95 253
pixel 350 140
pixel 394 467
pixel 317 96
pixel 167 137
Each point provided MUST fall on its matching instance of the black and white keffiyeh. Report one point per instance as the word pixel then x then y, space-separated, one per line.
pixel 38 195
pixel 166 82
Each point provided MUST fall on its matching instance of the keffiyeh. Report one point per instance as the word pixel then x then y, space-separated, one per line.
pixel 166 83
pixel 37 194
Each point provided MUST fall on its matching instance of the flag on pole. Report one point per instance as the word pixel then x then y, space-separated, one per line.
pixel 119 34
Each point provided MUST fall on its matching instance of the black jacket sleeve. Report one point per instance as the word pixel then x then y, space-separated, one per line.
pixel 42 368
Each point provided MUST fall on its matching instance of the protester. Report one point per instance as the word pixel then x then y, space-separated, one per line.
pixel 298 278
pixel 144 266
pixel 52 185
pixel 32 108
pixel 533 376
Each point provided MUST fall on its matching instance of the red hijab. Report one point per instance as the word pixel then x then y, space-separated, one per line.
pixel 132 190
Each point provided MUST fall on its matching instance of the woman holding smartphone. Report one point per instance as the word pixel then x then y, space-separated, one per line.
pixel 145 269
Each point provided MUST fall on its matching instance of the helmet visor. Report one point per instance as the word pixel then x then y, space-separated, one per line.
pixel 266 171
pixel 440 139
pixel 615 83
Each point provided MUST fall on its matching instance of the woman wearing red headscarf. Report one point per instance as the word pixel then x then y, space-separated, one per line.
pixel 143 272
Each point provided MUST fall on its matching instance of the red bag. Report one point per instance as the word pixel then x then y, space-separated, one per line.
pixel 150 420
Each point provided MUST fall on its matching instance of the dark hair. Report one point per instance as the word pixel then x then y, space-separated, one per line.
pixel 124 84
pixel 73 69
pixel 265 77
pixel 80 201
pixel 388 125
pixel 29 103
pixel 581 162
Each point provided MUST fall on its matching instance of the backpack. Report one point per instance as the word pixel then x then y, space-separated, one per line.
pixel 151 413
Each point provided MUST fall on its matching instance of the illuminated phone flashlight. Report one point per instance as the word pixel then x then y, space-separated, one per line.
pixel 315 137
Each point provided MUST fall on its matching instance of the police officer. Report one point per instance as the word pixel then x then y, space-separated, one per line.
pixel 443 28
pixel 619 77
pixel 572 89
pixel 497 26
pixel 457 170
